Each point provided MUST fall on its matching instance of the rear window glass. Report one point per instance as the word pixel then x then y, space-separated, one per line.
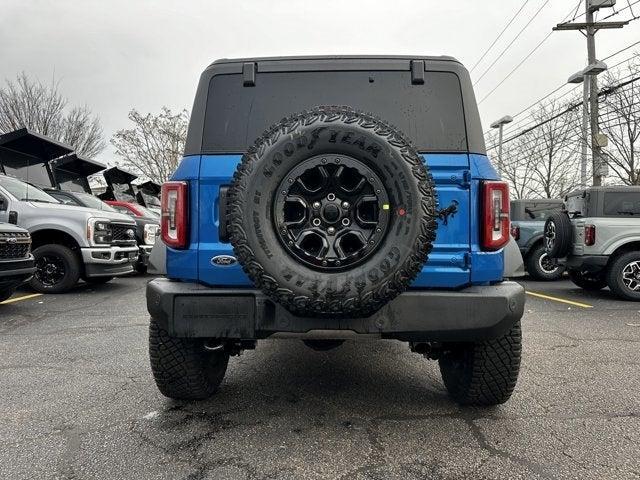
pixel 539 210
pixel 431 115
pixel 621 203
pixel 27 169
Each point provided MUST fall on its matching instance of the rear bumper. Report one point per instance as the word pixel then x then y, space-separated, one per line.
pixel 475 313
pixel 587 262
pixel 15 272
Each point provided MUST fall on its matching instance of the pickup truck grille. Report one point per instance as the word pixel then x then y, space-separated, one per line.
pixel 14 245
pixel 121 234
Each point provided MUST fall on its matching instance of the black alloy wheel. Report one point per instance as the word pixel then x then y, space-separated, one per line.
pixel 331 212
pixel 50 270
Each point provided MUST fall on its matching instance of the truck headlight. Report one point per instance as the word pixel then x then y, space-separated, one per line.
pixel 150 233
pixel 99 231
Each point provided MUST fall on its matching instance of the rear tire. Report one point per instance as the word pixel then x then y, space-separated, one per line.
pixel 483 373
pixel 538 265
pixel 182 368
pixel 591 281
pixel 621 276
pixel 57 269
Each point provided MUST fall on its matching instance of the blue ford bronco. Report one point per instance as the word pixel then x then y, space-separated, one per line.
pixel 336 198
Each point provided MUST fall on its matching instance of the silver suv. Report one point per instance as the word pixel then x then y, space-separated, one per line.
pixel 597 238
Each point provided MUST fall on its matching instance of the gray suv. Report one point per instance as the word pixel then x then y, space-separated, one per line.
pixel 597 238
pixel 527 226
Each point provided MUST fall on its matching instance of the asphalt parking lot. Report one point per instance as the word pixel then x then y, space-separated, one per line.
pixel 77 400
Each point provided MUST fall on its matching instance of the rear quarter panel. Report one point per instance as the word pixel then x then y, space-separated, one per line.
pixel 611 233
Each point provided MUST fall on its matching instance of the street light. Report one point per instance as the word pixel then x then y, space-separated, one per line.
pixel 579 77
pixel 499 124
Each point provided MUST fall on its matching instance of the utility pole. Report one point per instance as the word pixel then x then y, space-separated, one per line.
pixel 589 29
pixel 593 101
pixel 499 124
pixel 584 154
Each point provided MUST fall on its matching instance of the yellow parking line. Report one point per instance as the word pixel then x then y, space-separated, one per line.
pixel 24 297
pixel 561 300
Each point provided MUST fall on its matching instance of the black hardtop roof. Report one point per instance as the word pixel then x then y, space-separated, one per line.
pixel 118 176
pixel 150 187
pixel 31 143
pixel 606 188
pixel 75 163
pixel 251 68
pixel 341 58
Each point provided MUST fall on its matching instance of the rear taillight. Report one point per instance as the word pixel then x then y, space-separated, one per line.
pixel 495 215
pixel 589 235
pixel 175 209
pixel 515 232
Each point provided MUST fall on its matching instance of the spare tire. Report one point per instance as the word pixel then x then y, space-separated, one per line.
pixel 332 212
pixel 558 234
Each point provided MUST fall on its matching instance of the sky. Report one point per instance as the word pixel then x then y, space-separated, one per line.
pixel 121 54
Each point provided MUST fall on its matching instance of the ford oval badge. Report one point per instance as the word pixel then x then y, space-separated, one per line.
pixel 223 260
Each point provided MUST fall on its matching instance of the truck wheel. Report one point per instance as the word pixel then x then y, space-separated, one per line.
pixel 541 267
pixel 483 373
pixel 558 234
pixel 623 276
pixel 182 368
pixel 6 293
pixel 57 269
pixel 97 280
pixel 332 212
pixel 592 281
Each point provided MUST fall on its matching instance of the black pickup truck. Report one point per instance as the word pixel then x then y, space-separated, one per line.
pixel 16 261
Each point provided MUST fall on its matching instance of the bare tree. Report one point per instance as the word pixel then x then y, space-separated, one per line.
pixel 518 169
pixel 154 145
pixel 42 108
pixel 554 147
pixel 620 122
pixel 543 160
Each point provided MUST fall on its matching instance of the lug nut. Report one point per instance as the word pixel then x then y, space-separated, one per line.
pixel 331 230
pixel 345 205
pixel 316 205
pixel 316 222
pixel 331 197
pixel 346 222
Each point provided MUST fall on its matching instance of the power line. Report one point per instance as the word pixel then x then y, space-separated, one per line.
pixel 499 35
pixel 513 126
pixel 516 67
pixel 603 92
pixel 629 6
pixel 525 58
pixel 621 50
pixel 512 42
